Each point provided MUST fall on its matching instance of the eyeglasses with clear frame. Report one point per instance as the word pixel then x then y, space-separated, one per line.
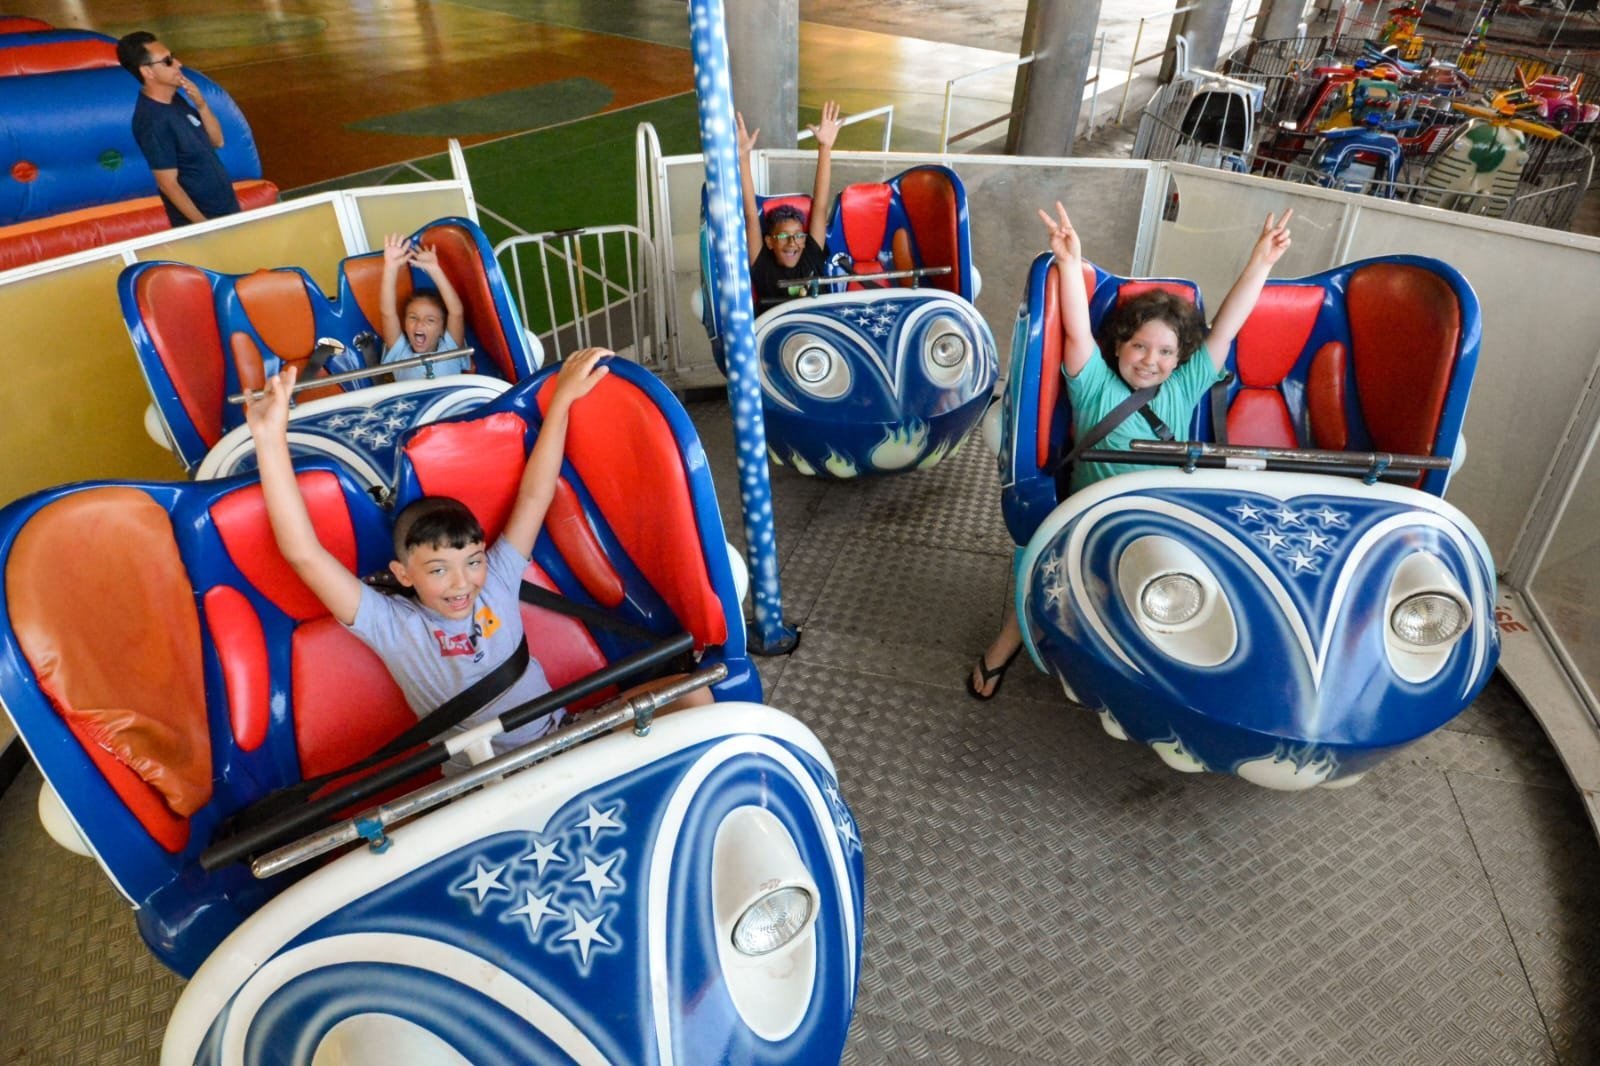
pixel 789 238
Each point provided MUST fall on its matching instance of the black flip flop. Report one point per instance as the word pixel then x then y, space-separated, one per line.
pixel 997 675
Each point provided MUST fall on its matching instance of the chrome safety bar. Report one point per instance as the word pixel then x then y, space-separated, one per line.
pixel 1352 460
pixel 369 825
pixel 427 359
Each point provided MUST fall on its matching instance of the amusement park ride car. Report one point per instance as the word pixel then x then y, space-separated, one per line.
pixel 1247 611
pixel 886 365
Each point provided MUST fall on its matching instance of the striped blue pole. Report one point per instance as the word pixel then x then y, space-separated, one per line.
pixel 730 259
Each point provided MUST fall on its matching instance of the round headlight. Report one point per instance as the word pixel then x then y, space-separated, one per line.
pixel 1428 619
pixel 772 921
pixel 812 365
pixel 948 350
pixel 1172 599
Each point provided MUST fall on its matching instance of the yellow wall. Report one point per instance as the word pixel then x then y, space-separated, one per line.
pixel 382 215
pixel 308 238
pixel 72 398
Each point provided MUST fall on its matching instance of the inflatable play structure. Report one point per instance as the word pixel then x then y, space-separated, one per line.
pixel 1250 611
pixel 71 175
pixel 691 894
pixel 202 337
pixel 886 365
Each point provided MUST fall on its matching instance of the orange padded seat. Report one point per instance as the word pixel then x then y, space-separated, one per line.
pixel 118 650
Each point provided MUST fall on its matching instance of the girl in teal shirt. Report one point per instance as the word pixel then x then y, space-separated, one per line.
pixel 1151 339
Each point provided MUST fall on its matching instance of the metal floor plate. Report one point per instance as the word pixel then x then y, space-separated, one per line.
pixel 1039 893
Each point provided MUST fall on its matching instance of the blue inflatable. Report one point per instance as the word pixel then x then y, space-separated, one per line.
pixel 66 141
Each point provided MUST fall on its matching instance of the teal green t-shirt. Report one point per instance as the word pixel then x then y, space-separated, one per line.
pixel 1096 392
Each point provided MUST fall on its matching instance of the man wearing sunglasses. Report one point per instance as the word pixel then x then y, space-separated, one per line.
pixel 179 137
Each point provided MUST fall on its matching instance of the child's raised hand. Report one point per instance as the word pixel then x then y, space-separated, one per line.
pixel 267 412
pixel 580 373
pixel 1063 238
pixel 747 140
pixel 396 249
pixel 1274 239
pixel 426 257
pixel 827 131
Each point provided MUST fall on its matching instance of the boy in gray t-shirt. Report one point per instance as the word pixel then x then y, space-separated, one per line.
pixel 465 619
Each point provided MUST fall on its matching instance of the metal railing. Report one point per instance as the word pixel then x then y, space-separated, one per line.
pixel 1134 60
pixel 945 139
pixel 601 285
pixel 887 111
pixel 651 205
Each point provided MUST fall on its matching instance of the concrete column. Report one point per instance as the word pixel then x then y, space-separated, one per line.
pixel 1062 42
pixel 1279 19
pixel 764 59
pixel 1205 27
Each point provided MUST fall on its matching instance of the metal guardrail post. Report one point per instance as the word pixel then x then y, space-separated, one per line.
pixel 1133 60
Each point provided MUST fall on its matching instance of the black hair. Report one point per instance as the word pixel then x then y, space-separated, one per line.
pixel 435 522
pixel 1156 305
pixel 782 213
pixel 133 52
pixel 427 296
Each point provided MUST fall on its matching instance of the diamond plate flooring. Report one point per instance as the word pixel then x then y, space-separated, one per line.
pixel 1039 893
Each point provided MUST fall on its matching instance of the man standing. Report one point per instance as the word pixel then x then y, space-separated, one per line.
pixel 179 139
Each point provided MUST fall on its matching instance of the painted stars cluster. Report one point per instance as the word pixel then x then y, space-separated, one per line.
pixel 572 898
pixel 375 427
pixel 877 318
pixel 1299 540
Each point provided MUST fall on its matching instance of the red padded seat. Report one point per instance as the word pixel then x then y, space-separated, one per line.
pixel 464 266
pixel 1270 344
pixel 627 457
pixel 175 305
pixel 241 521
pixel 932 209
pixel 1405 330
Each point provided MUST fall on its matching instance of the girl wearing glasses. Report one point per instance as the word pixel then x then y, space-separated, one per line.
pixel 786 250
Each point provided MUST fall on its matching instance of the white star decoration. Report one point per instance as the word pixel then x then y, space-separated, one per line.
pixel 485 882
pixel 599 820
pixel 543 855
pixel 1301 561
pixel 847 832
pixel 535 909
pixel 1302 551
pixel 586 932
pixel 1051 566
pixel 597 877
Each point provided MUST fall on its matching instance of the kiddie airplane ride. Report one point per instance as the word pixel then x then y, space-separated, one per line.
pixel 1292 601
pixel 885 365
pixel 689 890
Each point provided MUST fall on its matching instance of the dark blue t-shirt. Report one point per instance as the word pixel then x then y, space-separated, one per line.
pixel 172 138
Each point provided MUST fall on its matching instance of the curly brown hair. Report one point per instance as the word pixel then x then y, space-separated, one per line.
pixel 1156 305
